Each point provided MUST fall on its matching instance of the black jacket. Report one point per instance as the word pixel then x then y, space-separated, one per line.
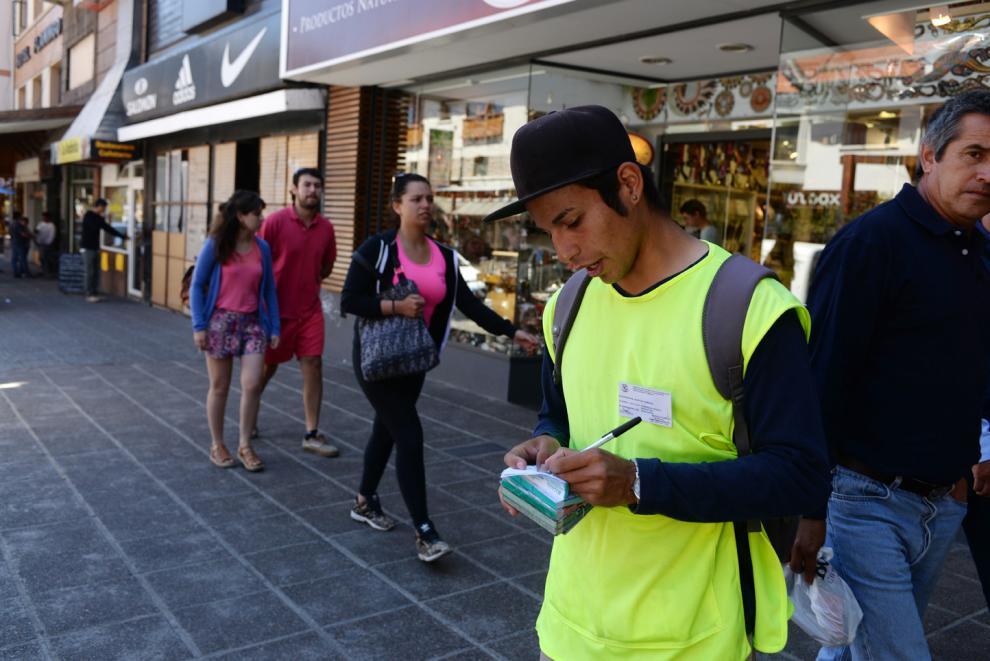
pixel 92 223
pixel 360 295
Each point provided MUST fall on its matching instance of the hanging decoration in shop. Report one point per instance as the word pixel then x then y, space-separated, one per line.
pixel 741 166
pixel 648 101
pixel 724 103
pixel 760 100
pixel 942 65
pixel 721 97
pixel 693 98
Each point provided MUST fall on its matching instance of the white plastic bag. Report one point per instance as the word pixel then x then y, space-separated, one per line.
pixel 826 610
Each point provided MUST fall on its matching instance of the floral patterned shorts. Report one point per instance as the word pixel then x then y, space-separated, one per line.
pixel 234 334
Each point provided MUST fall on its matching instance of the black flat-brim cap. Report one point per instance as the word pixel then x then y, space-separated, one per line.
pixel 561 148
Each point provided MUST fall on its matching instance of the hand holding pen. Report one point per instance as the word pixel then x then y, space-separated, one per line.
pixel 600 477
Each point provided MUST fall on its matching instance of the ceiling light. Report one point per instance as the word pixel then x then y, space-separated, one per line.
pixel 735 48
pixel 940 15
pixel 886 114
pixel 658 60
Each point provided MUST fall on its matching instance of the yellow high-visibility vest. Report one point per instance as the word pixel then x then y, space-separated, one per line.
pixel 628 586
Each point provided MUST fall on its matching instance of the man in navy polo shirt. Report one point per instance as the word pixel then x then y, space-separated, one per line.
pixel 900 354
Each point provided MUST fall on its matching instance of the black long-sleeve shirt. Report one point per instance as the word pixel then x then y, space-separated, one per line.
pixel 92 223
pixel 900 311
pixel 787 473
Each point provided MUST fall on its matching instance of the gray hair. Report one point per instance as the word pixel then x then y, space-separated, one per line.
pixel 943 126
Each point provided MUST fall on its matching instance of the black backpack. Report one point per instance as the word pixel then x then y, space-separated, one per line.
pixel 722 322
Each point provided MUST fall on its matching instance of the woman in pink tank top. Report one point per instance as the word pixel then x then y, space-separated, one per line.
pixel 435 270
pixel 235 313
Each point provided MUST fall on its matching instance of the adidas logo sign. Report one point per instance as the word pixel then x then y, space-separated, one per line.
pixel 185 88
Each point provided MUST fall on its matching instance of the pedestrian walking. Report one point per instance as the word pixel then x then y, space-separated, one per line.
pixel 235 314
pixel 433 267
pixel 303 252
pixel 653 570
pixel 900 352
pixel 94 222
pixel 45 237
pixel 20 244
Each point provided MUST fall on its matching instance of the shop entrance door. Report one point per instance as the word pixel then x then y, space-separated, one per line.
pixel 135 227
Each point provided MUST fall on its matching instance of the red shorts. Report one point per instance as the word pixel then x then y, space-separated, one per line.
pixel 300 337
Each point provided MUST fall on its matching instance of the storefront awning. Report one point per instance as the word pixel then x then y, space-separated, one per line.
pixel 479 207
pixel 270 103
pixel 91 135
pixel 39 119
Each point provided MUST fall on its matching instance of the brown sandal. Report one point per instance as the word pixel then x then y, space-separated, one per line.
pixel 220 457
pixel 251 461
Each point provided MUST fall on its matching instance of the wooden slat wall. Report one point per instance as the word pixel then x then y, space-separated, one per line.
pixel 224 166
pixel 274 152
pixel 366 134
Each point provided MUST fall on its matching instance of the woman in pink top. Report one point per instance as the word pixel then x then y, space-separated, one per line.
pixel 235 313
pixel 434 269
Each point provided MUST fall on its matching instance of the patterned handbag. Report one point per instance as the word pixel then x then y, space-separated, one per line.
pixel 396 345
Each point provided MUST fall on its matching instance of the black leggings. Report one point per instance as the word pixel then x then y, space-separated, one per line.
pixel 396 423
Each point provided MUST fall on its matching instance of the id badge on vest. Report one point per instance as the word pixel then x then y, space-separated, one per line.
pixel 651 405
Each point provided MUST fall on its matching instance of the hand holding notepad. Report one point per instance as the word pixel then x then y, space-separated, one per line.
pixel 546 498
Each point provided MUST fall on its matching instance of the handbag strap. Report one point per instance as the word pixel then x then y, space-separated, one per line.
pixel 396 265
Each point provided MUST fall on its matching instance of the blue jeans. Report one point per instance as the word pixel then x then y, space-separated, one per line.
pixel 889 547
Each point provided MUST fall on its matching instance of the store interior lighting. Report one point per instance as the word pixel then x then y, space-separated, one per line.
pixel 939 15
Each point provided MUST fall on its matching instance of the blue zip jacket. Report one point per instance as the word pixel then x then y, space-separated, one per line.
pixel 202 300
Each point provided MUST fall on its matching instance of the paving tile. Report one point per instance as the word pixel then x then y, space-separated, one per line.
pixel 957 642
pixel 38 504
pixel 8 588
pixel 349 595
pixel 248 619
pixel 140 517
pixel 315 493
pixel 490 612
pixel 23 652
pixel 15 624
pixel 475 449
pixel 260 534
pixel 376 547
pixel 471 654
pixel 62 611
pixel 517 554
pixel 522 646
pixel 534 582
pixel 408 634
pixel 427 580
pixel 448 472
pixel 63 557
pixel 301 647
pixel 143 638
pixel 958 595
pixel 333 519
pixel 244 508
pixel 36 470
pixel 300 563
pixel 281 471
pixel 165 551
pixel 469 526
pixel 208 581
pixel 206 481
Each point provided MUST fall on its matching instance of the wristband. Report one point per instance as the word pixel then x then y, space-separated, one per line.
pixel 393 306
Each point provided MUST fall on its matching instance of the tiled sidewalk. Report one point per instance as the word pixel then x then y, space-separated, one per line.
pixel 119 540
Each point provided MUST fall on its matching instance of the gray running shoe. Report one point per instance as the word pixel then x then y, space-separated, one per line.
pixel 370 512
pixel 429 546
pixel 320 445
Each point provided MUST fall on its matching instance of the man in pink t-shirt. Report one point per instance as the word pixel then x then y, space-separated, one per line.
pixel 303 252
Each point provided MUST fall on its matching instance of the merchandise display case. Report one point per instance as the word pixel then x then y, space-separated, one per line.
pixel 732 210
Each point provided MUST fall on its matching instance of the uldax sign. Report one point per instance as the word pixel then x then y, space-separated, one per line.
pixel 802 199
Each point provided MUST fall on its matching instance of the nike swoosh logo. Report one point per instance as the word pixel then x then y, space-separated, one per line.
pixel 229 71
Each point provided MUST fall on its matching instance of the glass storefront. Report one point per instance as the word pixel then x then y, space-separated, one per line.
pixel 780 159
pixel 850 117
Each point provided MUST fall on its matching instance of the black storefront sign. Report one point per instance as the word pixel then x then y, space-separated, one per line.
pixel 229 65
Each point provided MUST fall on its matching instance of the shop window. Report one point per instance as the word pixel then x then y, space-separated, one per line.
pixel 54 85
pixel 36 99
pixel 480 167
pixel 171 190
pixel 82 59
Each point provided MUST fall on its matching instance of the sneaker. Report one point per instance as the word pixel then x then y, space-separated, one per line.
pixel 370 512
pixel 429 546
pixel 319 444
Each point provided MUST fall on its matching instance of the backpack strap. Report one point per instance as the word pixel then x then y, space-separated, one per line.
pixel 722 323
pixel 564 312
